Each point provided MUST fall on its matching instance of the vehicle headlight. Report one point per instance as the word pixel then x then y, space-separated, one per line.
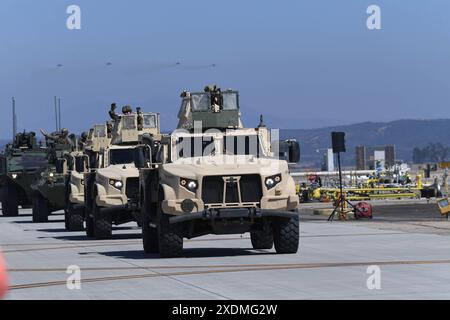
pixel 14 175
pixel 51 174
pixel 116 183
pixel 272 181
pixel 189 184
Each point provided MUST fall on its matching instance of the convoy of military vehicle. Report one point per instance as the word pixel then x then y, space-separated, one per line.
pixel 211 175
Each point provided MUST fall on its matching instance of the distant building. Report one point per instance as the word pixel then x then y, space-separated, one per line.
pixel 368 156
pixel 328 160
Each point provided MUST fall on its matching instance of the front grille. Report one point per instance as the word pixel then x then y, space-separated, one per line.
pixel 132 188
pixel 237 189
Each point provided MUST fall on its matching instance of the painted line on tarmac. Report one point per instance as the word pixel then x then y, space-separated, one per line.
pixel 239 268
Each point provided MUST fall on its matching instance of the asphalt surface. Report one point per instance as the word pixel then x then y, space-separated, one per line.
pixel 409 242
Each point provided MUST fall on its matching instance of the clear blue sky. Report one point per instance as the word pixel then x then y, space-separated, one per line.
pixel 302 64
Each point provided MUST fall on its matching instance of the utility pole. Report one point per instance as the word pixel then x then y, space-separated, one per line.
pixel 59 113
pixel 56 113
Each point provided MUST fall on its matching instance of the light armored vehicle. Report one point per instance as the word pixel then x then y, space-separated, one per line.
pixel 221 178
pixel 87 159
pixel 48 183
pixel 111 192
pixel 18 163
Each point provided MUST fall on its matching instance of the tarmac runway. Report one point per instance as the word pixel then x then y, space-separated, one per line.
pixel 411 250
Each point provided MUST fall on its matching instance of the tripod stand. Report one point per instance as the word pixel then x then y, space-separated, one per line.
pixel 340 204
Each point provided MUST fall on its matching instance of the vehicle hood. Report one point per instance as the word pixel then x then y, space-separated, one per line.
pixel 119 171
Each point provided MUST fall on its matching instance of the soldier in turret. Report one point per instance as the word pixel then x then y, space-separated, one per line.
pixel 112 113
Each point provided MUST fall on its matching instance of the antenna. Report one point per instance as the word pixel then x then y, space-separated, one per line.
pixel 56 114
pixel 14 117
pixel 59 113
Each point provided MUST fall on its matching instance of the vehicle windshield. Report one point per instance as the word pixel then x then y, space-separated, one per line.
pixel 242 145
pixel 202 146
pixel 121 156
pixel 188 147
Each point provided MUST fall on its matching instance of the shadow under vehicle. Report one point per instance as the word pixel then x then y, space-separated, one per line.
pixel 18 164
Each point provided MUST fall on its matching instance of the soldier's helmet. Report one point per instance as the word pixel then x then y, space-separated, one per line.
pixel 126 110
pixel 84 136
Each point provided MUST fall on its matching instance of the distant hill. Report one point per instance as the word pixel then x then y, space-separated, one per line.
pixel 404 134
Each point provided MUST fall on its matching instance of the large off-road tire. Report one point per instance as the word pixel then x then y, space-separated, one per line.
pixel 10 203
pixel 89 226
pixel 286 235
pixel 170 238
pixel 149 233
pixel 262 239
pixel 40 211
pixel 102 223
pixel 74 218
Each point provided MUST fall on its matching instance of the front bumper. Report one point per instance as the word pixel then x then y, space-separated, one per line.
pixel 111 200
pixel 280 203
pixel 232 213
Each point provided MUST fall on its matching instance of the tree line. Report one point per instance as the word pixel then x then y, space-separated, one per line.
pixel 432 152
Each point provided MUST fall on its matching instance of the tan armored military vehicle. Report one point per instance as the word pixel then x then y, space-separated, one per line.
pixel 82 162
pixel 221 178
pixel 111 193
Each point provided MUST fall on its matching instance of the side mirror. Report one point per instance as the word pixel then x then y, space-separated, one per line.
pixel 80 164
pixel 140 157
pixel 294 151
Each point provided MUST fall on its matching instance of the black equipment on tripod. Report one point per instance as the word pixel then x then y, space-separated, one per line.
pixel 338 143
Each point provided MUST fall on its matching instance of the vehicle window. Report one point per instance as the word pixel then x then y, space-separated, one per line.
pixel 99 131
pixel 149 121
pixel 230 101
pixel 121 156
pixel 129 122
pixel 241 145
pixel 200 101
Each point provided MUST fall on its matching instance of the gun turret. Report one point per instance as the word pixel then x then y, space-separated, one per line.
pixel 214 108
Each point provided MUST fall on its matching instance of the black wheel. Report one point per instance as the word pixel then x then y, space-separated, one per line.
pixel 89 226
pixel 40 210
pixel 262 239
pixel 149 233
pixel 286 235
pixel 170 238
pixel 102 223
pixel 10 203
pixel 74 218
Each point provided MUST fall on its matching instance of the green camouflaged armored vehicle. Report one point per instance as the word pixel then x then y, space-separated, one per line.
pixel 18 164
pixel 214 176
pixel 48 184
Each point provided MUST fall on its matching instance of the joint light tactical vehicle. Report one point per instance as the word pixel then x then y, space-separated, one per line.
pixel 111 192
pixel 85 161
pixel 221 178
pixel 18 163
